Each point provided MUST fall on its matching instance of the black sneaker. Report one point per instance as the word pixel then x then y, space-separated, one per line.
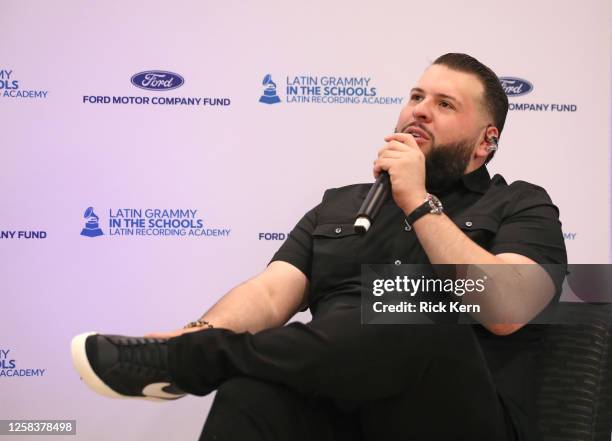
pixel 124 367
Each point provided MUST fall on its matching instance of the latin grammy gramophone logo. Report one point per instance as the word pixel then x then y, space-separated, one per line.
pixel 269 95
pixel 92 228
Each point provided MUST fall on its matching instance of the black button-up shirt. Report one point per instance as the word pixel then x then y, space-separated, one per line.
pixel 517 218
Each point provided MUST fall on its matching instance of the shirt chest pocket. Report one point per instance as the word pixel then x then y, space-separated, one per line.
pixel 338 240
pixel 481 229
pixel 337 257
pixel 336 251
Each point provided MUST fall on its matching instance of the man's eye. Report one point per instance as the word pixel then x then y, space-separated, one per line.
pixel 446 104
pixel 416 97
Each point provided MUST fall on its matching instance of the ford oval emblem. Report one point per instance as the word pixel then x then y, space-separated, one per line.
pixel 157 80
pixel 515 86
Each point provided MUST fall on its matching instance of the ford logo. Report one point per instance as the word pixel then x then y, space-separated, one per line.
pixel 515 86
pixel 157 80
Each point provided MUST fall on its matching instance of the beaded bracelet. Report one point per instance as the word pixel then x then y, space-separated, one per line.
pixel 197 324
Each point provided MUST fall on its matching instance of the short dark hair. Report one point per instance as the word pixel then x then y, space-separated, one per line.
pixel 495 99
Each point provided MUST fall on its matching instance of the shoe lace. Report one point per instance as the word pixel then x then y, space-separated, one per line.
pixel 147 355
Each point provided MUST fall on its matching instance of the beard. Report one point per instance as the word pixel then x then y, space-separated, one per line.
pixel 445 164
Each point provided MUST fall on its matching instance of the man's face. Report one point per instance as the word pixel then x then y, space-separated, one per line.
pixel 445 114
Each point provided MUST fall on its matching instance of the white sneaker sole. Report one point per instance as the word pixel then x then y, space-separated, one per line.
pixel 88 375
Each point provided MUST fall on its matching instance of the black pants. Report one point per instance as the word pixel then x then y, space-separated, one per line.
pixel 334 379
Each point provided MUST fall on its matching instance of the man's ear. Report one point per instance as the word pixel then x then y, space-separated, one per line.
pixel 488 144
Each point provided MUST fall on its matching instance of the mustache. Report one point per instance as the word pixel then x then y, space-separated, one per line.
pixel 415 124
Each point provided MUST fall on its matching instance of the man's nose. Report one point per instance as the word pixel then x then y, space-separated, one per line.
pixel 422 111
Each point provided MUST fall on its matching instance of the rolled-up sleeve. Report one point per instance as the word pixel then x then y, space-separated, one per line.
pixel 297 248
pixel 531 228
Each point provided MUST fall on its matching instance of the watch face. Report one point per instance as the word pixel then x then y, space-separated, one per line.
pixel 435 204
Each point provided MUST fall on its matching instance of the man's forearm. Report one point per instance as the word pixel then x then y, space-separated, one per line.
pixel 516 291
pixel 247 307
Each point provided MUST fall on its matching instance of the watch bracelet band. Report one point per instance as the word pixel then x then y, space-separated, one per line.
pixel 198 324
pixel 420 211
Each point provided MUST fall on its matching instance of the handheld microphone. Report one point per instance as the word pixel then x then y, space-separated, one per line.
pixel 371 205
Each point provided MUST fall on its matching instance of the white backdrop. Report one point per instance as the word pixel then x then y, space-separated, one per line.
pixel 246 167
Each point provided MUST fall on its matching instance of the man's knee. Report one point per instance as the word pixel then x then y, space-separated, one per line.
pixel 251 393
pixel 235 413
pixel 250 409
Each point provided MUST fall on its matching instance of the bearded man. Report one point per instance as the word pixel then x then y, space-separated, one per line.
pixel 333 378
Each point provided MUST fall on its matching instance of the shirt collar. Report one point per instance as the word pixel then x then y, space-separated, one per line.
pixel 479 180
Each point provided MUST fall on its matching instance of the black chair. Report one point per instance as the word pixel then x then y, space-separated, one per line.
pixel 574 396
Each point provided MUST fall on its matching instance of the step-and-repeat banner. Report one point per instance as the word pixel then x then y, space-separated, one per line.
pixel 155 154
